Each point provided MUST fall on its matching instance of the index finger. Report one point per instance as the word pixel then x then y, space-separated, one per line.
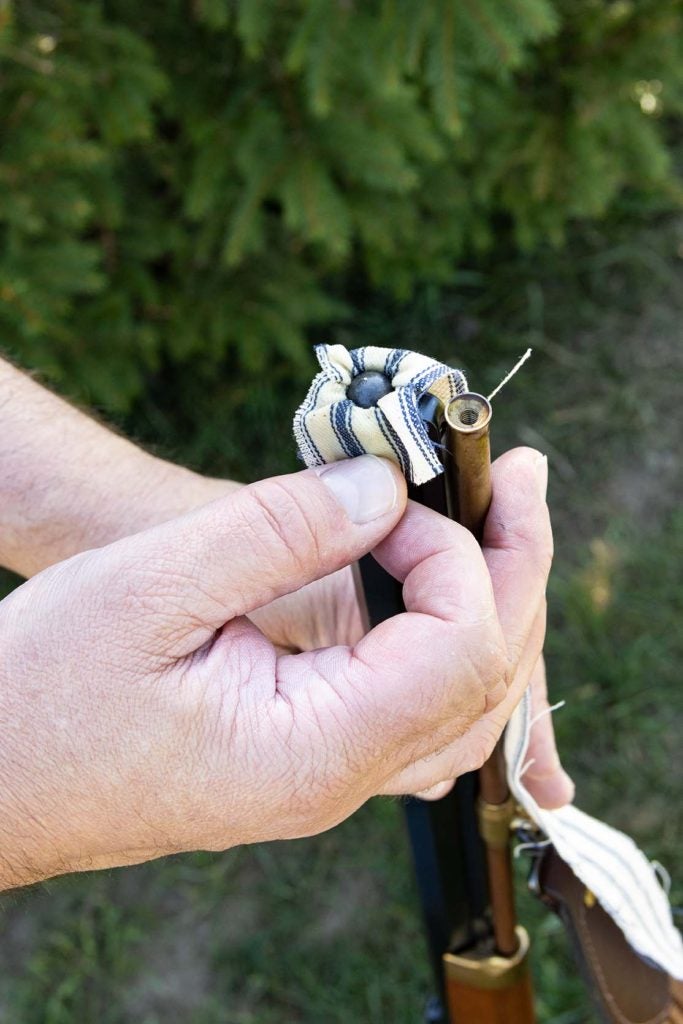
pixel 443 662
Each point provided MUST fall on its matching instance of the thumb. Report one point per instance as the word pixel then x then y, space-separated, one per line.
pixel 271 538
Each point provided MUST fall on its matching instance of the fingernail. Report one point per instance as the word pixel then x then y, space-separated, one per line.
pixel 542 475
pixel 364 487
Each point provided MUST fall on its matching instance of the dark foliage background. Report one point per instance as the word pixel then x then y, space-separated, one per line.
pixel 201 184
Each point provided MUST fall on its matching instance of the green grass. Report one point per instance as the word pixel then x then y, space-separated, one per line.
pixel 327 929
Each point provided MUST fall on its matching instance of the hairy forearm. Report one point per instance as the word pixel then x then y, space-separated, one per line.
pixel 67 483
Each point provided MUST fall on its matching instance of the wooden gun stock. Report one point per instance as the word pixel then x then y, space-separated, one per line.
pixel 490 990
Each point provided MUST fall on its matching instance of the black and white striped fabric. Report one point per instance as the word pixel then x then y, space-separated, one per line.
pixel 328 426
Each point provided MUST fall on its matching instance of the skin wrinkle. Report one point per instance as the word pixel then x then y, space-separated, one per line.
pixel 294 541
pixel 310 779
pixel 310 538
pixel 353 754
pixel 230 707
pixel 364 690
pixel 281 707
pixel 279 784
pixel 508 539
pixel 258 652
pixel 201 688
pixel 447 739
pixel 403 723
pixel 498 718
pixel 158 590
pixel 456 758
pixel 527 663
pixel 312 696
pixel 357 729
pixel 445 766
pixel 475 684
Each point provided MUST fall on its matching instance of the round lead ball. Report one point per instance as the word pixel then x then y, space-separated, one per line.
pixel 368 387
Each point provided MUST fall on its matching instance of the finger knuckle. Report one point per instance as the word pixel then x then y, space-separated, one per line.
pixel 490 667
pixel 498 678
pixel 281 528
pixel 483 744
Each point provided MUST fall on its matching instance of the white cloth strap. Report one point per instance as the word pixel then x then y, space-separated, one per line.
pixel 607 861
pixel 328 426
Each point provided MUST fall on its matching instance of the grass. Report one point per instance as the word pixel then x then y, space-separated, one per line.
pixel 327 929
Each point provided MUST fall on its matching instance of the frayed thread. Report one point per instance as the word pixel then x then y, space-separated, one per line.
pixel 518 365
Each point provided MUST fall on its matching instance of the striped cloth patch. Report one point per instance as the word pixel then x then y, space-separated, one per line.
pixel 328 426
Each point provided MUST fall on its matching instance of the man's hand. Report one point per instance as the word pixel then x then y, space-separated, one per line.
pixel 67 484
pixel 144 713
pixel 327 612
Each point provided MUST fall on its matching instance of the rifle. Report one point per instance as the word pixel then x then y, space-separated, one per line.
pixel 461 843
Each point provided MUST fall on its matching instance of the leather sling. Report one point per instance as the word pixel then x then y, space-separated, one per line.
pixel 625 988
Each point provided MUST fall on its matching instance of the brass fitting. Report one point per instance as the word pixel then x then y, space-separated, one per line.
pixel 495 821
pixel 489 971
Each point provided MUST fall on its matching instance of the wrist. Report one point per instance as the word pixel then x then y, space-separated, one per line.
pixel 171 490
pixel 67 483
pixel 132 492
pixel 22 862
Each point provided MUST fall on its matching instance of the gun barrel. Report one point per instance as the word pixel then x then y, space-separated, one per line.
pixel 468 464
pixel 468 470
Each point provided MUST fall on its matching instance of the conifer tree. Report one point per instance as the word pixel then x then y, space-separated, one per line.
pixel 193 181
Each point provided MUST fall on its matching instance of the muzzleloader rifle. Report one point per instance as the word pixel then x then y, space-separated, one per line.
pixel 461 843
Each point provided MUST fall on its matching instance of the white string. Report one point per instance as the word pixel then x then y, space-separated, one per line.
pixel 663 875
pixel 546 711
pixel 521 847
pixel 513 371
pixel 537 717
